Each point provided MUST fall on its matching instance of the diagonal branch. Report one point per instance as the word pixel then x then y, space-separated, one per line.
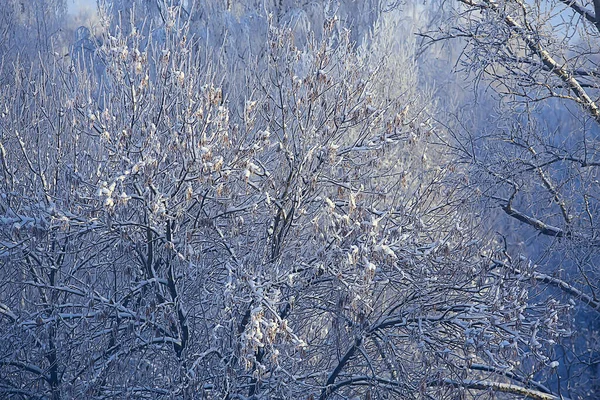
pixel 581 10
pixel 534 44
pixel 508 374
pixel 327 390
pixel 27 367
pixel 497 387
pixel 560 284
pixel 5 310
pixel 542 227
pixel 597 13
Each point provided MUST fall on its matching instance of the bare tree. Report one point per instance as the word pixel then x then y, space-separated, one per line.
pixel 289 232
pixel 536 158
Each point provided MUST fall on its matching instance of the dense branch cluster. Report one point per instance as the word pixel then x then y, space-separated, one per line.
pixel 263 207
pixel 537 159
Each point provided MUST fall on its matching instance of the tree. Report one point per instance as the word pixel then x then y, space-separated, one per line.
pixel 288 231
pixel 536 158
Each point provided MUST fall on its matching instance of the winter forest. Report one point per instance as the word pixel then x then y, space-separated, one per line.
pixel 296 199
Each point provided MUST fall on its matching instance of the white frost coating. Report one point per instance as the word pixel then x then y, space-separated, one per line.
pixel 330 203
pixel 385 249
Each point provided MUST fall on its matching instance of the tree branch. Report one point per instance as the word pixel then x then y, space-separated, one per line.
pixel 596 14
pixel 5 310
pixel 534 222
pixel 27 367
pixel 530 39
pixel 327 390
pixel 497 387
pixel 508 374
pixel 572 4
pixel 559 283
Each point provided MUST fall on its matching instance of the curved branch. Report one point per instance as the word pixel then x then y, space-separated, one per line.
pixel 510 375
pixel 497 387
pixel 366 381
pixel 560 284
pixel 467 384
